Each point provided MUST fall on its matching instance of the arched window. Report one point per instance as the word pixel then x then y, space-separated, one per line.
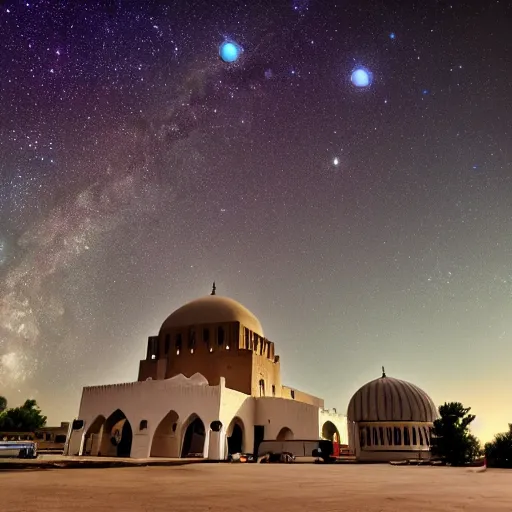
pixel 381 436
pixel 389 433
pixel 220 336
pixel 191 339
pixel 375 437
pixel 421 436
pixel 273 390
pixel 397 436
pixel 414 436
pixel 178 342
pixel 368 436
pixel 407 437
pixel 153 347
pixel 362 438
pixel 262 387
pixel 206 335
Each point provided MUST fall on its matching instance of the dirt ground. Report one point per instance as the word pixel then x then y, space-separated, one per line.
pixel 261 487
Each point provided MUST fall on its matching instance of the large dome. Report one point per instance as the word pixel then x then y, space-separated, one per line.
pixel 209 310
pixel 388 399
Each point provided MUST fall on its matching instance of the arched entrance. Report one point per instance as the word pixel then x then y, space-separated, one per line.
pixel 193 438
pixel 92 437
pixel 166 438
pixel 285 434
pixel 330 432
pixel 235 436
pixel 116 440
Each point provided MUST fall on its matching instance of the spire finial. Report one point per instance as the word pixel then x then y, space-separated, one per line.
pixel 383 372
pixel 214 288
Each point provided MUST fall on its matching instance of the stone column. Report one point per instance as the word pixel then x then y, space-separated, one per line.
pixel 141 446
pixel 216 444
pixel 206 449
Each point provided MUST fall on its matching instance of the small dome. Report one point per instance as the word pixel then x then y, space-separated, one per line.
pixel 388 399
pixel 209 310
pixel 178 379
pixel 199 379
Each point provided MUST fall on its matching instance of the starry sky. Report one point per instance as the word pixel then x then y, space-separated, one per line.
pixel 364 226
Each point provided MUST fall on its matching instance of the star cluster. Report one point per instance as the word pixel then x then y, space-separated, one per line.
pixel 364 225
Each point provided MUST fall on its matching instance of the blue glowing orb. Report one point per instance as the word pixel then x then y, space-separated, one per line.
pixel 392 35
pixel 229 52
pixel 361 78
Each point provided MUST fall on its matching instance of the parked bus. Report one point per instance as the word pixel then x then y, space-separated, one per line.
pixel 19 445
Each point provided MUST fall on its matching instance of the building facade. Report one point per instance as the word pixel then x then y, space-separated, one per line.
pixel 210 385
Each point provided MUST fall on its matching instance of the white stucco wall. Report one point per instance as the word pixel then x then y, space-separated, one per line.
pixel 338 420
pixel 276 413
pixel 151 401
pixel 238 405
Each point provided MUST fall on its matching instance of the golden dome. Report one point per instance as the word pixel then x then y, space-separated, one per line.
pixel 210 310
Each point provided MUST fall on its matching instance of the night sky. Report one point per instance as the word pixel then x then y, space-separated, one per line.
pixel 364 226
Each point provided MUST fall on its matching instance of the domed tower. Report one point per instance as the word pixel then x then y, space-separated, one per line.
pixel 390 419
pixel 216 337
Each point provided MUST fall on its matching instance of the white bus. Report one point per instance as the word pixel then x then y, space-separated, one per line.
pixel 18 445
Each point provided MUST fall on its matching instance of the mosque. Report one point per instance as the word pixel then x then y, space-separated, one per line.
pixel 210 386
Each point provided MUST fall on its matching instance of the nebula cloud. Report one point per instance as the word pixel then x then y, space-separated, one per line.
pixel 121 193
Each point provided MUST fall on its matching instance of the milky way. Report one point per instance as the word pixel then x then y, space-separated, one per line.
pixel 364 226
pixel 30 309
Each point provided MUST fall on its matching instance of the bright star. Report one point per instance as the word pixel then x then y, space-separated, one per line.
pixel 392 35
pixel 336 161
pixel 361 77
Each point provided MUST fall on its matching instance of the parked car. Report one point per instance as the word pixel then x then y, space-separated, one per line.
pixel 278 458
pixel 240 457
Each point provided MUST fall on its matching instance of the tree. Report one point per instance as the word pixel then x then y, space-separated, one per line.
pixel 3 404
pixel 26 418
pixel 452 440
pixel 499 451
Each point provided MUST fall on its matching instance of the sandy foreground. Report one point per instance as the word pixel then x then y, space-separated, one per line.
pixel 261 487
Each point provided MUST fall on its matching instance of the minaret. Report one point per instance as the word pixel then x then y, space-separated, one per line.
pixel 214 288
